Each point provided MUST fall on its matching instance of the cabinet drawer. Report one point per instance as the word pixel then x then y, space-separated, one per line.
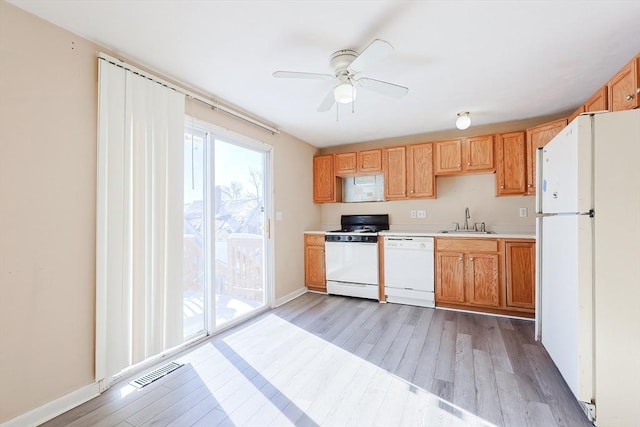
pixel 314 239
pixel 467 245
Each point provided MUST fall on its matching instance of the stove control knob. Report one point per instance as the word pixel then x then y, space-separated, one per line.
pixel 349 238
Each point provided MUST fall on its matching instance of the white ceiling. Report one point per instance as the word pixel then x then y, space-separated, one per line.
pixel 499 60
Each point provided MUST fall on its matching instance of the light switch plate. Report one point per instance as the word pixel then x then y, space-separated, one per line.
pixel 523 212
pixel 278 216
pixel 413 214
pixel 422 213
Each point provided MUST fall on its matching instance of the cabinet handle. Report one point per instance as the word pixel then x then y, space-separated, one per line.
pixel 458 164
pixel 502 187
pixel 530 185
pixel 411 191
pixel 471 259
pixel 460 259
pixel 629 97
pixel 469 164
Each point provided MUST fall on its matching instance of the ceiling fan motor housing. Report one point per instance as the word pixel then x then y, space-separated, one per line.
pixel 340 60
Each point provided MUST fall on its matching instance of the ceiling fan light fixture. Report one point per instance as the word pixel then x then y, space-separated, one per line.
pixel 463 121
pixel 344 93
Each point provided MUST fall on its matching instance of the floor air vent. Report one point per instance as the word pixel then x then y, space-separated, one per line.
pixel 156 374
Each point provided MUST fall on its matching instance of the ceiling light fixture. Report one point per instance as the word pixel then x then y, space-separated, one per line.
pixel 344 93
pixel 463 121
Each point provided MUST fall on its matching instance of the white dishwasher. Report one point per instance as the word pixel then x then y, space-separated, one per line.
pixel 408 270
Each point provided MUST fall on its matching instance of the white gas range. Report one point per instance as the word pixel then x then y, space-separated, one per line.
pixel 351 256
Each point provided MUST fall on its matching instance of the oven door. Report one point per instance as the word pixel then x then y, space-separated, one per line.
pixel 352 262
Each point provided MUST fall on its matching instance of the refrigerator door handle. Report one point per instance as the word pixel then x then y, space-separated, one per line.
pixel 539 185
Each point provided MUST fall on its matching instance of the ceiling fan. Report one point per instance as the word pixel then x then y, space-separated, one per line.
pixel 346 65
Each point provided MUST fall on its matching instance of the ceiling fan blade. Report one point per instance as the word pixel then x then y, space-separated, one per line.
pixel 301 75
pixel 373 53
pixel 384 88
pixel 328 102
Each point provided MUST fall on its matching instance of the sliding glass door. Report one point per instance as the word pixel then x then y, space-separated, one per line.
pixel 225 230
pixel 240 232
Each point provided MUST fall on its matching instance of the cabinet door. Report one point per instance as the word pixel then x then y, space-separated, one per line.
pixel 598 102
pixel 370 161
pixel 314 274
pixel 511 164
pixel 346 163
pixel 324 179
pixel 483 279
pixel 520 274
pixel 448 157
pixel 395 170
pixel 479 153
pixel 449 277
pixel 538 137
pixel 420 179
pixel 623 87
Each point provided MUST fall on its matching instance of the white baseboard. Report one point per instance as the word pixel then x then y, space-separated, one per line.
pixel 54 408
pixel 293 295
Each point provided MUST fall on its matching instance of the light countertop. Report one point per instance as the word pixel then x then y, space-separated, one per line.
pixel 450 235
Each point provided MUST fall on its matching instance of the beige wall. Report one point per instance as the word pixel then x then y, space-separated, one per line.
pixel 48 110
pixel 477 192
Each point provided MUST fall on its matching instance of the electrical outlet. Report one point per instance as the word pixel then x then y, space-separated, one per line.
pixel 278 216
pixel 412 214
pixel 422 213
pixel 523 212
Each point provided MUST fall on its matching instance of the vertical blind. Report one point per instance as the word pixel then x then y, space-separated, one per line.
pixel 139 219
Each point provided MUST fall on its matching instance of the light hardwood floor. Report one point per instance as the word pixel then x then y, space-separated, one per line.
pixel 335 361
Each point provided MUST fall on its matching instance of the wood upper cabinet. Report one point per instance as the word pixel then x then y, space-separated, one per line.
pixel 394 165
pixel 314 270
pixel 511 164
pixel 624 87
pixel 468 272
pixel 421 182
pixel 409 172
pixel 326 186
pixel 538 137
pixel 478 154
pixel 368 161
pixel 474 154
pixel 598 102
pixel 520 258
pixel 448 159
pixel 346 163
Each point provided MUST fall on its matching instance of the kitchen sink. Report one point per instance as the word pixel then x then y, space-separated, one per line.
pixel 465 232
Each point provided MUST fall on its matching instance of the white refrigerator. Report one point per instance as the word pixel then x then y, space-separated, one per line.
pixel 588 261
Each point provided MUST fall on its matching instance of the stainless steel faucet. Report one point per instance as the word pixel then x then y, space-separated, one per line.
pixel 467 216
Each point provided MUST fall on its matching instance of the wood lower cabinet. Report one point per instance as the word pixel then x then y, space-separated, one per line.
pixel 483 280
pixel 624 87
pixel 511 166
pixel 520 259
pixel 450 277
pixel 538 137
pixel 468 272
pixel 314 271
pixel 489 275
pixel 327 187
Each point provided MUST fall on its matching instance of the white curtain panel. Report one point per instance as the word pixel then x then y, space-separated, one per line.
pixel 139 301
